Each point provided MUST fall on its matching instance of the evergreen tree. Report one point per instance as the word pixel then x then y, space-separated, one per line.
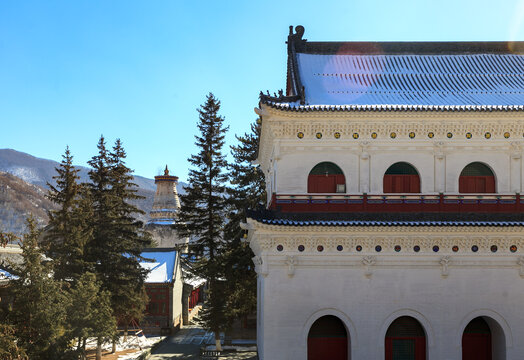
pixel 118 239
pixel 247 191
pixel 89 314
pixel 38 313
pixel 9 349
pixel 203 212
pixel 69 230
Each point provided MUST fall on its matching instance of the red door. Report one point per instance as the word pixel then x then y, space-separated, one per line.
pixel 401 183
pixel 476 346
pixel 476 184
pixel 327 348
pixel 406 348
pixel 324 183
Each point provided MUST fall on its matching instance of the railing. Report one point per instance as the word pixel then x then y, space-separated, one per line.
pixel 397 203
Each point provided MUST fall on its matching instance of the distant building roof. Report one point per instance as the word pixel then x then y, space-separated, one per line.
pixel 163 265
pixel 363 76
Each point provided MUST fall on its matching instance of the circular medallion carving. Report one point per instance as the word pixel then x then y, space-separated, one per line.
pixel 300 135
pixel 337 135
pixel 431 135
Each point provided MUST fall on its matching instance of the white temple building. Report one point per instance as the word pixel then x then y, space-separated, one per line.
pixel 394 225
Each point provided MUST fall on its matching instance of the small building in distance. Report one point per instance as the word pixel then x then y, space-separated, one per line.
pixel 164 212
pixel 164 289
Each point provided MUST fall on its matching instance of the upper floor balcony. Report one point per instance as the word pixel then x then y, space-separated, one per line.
pixel 382 203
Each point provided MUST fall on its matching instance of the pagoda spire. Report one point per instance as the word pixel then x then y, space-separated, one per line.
pixel 166 203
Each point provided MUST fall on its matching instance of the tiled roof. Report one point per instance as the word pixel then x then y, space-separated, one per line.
pixel 385 219
pixel 403 76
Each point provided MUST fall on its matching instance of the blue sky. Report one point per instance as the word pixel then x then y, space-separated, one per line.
pixel 137 70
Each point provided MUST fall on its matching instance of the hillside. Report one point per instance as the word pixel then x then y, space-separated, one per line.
pixel 18 199
pixel 27 195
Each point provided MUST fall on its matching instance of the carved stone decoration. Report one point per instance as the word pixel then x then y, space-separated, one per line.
pixel 368 261
pixel 439 150
pixel 257 260
pixel 520 262
pixel 291 261
pixel 364 145
pixel 516 150
pixel 444 264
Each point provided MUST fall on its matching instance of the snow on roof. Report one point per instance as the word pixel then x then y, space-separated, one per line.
pixel 195 282
pixel 162 269
pixel 466 79
pixel 4 275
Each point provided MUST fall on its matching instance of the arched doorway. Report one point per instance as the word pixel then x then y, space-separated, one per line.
pixel 401 177
pixel 476 341
pixel 326 177
pixel 327 339
pixel 477 178
pixel 405 340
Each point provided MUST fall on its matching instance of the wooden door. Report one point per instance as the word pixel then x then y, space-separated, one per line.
pixel 477 184
pixel 476 347
pixel 401 183
pixel 327 348
pixel 406 348
pixel 324 183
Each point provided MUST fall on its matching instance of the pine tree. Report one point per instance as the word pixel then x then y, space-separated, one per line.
pixel 89 314
pixel 68 231
pixel 9 349
pixel 118 239
pixel 247 191
pixel 202 215
pixel 38 313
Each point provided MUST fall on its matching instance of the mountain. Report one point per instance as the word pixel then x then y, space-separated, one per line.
pixel 38 172
pixel 18 199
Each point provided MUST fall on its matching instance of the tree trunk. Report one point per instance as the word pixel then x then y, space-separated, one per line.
pixel 126 327
pixel 217 341
pixel 99 349
pixel 113 347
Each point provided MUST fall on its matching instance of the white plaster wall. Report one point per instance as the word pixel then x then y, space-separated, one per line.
pixel 499 162
pixel 367 306
pixel 422 161
pixel 294 168
pixel 177 294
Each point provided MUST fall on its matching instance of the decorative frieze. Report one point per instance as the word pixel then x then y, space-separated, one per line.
pixel 405 244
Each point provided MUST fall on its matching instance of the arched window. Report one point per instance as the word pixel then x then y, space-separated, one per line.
pixel 405 339
pixel 401 177
pixel 476 340
pixel 327 339
pixel 476 178
pixel 326 177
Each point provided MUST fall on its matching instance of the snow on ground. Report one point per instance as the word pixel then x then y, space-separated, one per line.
pixel 132 342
